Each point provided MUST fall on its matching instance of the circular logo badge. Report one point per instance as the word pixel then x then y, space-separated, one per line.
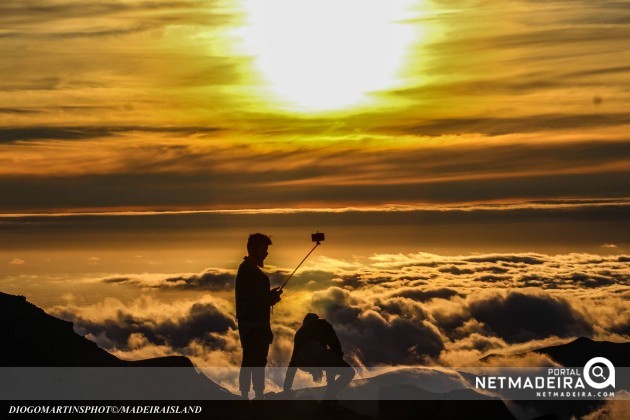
pixel 595 376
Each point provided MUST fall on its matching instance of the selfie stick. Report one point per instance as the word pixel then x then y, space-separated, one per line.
pixel 296 268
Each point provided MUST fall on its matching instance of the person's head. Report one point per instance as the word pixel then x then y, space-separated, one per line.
pixel 310 317
pixel 257 247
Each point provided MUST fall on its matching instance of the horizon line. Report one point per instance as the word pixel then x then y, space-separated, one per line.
pixel 552 204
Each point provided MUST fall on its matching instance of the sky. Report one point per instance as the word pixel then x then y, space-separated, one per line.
pixel 468 160
pixel 151 105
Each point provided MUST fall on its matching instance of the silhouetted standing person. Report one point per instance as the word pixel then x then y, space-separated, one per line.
pixel 254 300
pixel 316 348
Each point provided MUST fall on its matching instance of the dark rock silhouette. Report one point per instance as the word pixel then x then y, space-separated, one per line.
pixel 441 406
pixel 579 351
pixel 404 393
pixel 73 366
pixel 31 337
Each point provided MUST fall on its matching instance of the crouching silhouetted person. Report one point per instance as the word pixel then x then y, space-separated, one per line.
pixel 254 300
pixel 316 349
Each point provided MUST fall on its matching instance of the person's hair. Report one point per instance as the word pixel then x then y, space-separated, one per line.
pixel 310 317
pixel 257 240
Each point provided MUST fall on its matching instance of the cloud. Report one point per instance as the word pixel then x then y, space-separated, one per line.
pixel 17 261
pixel 476 315
pixel 483 83
pixel 592 280
pixel 518 317
pixel 513 259
pixel 388 309
pixel 374 172
pixel 113 324
pixel 21 134
pixel 424 295
pixel 71 18
pixel 365 330
pixel 549 205
pixel 453 269
pixel 211 279
pixel 532 123
pixel 17 111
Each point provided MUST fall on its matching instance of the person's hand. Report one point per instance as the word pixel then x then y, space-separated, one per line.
pixel 275 295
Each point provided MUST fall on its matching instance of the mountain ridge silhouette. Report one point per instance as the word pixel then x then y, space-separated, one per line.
pixel 577 352
pixel 31 338
pixel 52 342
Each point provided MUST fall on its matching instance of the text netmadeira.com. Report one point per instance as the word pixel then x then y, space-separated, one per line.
pixel 105 409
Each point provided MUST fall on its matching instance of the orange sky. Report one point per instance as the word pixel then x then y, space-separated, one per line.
pixel 223 105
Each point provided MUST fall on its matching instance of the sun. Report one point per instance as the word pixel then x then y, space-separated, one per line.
pixel 323 55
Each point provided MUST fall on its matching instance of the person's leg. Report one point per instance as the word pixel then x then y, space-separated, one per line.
pixel 346 374
pixel 245 375
pixel 338 367
pixel 331 375
pixel 260 347
pixel 244 381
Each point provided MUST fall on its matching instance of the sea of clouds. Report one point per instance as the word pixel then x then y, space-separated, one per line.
pixel 388 309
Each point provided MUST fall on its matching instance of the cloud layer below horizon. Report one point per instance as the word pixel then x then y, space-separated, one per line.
pixel 429 309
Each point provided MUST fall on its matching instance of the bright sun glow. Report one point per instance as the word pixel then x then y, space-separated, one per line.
pixel 321 55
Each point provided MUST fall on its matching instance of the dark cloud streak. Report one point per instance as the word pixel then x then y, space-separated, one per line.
pixel 10 135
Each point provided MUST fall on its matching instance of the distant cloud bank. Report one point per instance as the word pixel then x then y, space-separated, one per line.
pixel 388 309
